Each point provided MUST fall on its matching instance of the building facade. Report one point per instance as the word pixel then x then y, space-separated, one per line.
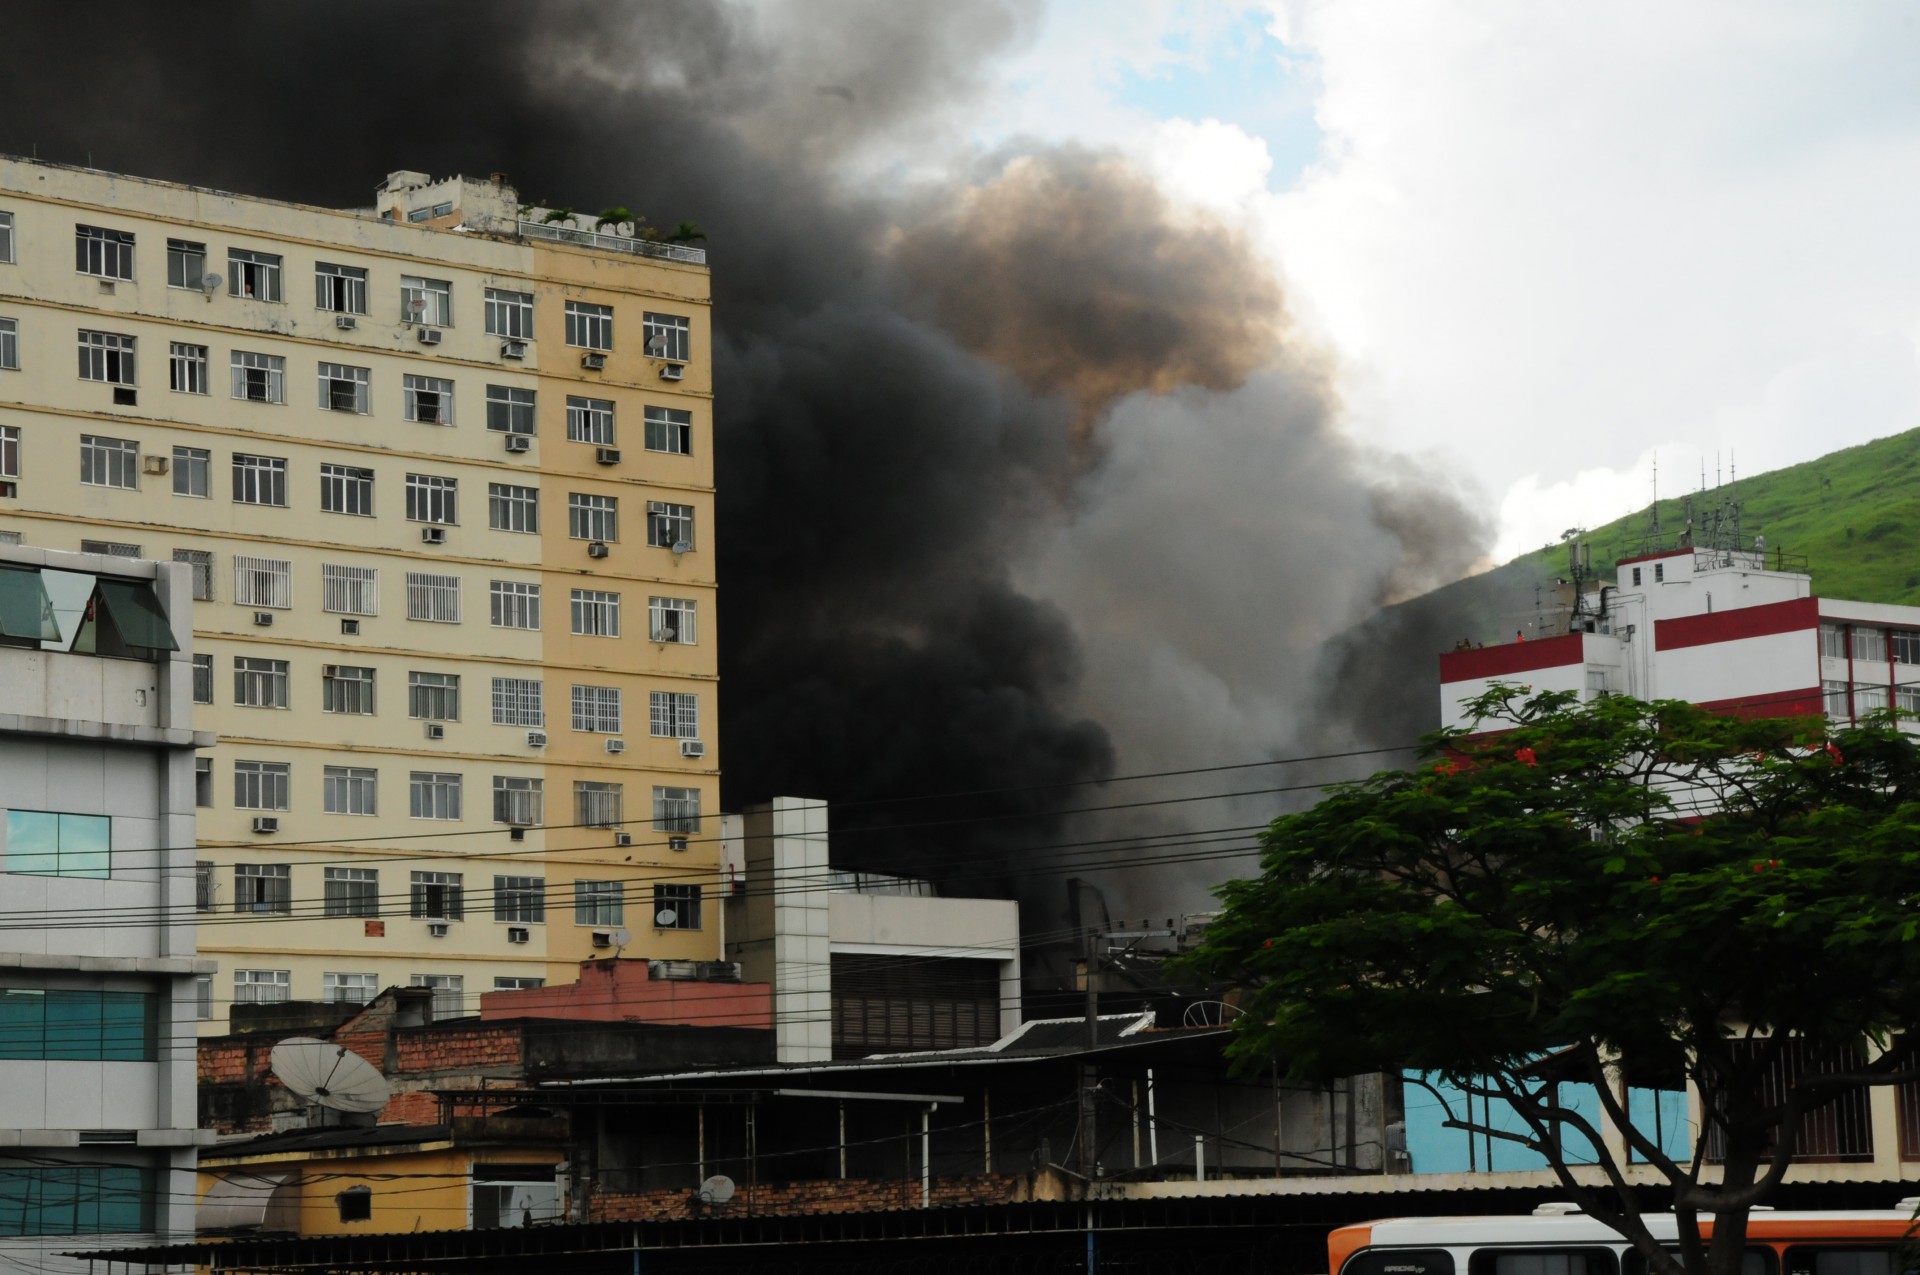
pixel 98 975
pixel 442 474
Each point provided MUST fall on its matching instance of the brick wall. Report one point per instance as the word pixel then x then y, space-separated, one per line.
pixel 853 1195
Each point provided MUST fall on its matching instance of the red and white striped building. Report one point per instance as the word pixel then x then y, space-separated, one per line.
pixel 1715 627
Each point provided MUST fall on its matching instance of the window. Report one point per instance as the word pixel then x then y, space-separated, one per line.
pixel 261 987
pixel 596 613
pixel 1868 698
pixel 341 289
pixel 674 714
pixel 1833 641
pixel 10 455
pixel 1835 695
pixel 352 891
pixel 517 800
pixel 345 389
pixel 431 499
pixel 516 983
pixel 671 620
pixel 1907 697
pixel 346 688
pixel 427 301
pixel 262 582
pixel 259 683
pixel 1636 577
pixel 510 314
pixel 590 420
pixel 10 344
pixel 44 843
pixel 110 548
pixel 203 885
pixel 509 411
pixel 589 326
pixel 203 993
pixel 253 274
pixel 6 237
pixel 668 336
pixel 346 489
pixel 669 526
pixel 203 766
pixel 259 378
pixel 79 1200
pixel 433 794
pixel 106 356
pixel 187 368
pixel 598 903
pixel 192 472
pixel 434 598
pixel 436 896
pixel 669 430
pixel 517 702
pixel 596 805
pixel 597 708
pixel 109 462
pixel 1904 646
pixel 347 790
pixel 514 605
pixel 350 989
pixel 348 590
pixel 593 517
pixel 676 907
pixel 55 1025
pixel 434 697
pixel 259 480
pixel 676 809
pixel 261 785
pixel 511 508
pixel 429 400
pixel 1869 644
pixel 448 996
pixel 186 264
pixel 201 560
pixel 262 887
pixel 203 681
pixel 1659 572
pixel 107 254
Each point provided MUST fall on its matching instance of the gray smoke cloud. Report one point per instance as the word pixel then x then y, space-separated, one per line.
pixel 1024 477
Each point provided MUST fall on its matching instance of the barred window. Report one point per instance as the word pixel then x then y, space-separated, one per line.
pixel 346 489
pixel 668 336
pixel 517 800
pixel 593 517
pixel 204 887
pixel 521 899
pixel 510 314
pixel 436 896
pixel 674 714
pixel 517 702
pixel 347 790
pixel 433 794
pixel 429 399
pixel 261 987
pixel 426 301
pixel 514 605
pixel 105 254
pixel 262 887
pixel 669 429
pixel 106 356
pixel 110 548
pixel 187 368
pixel 511 508
pixel 259 683
pixel 345 389
pixel 590 420
pixel 669 526
pixel 597 708
pixel 598 903
pixel 449 995
pixel 203 681
pixel 259 378
pixel 201 560
pixel 348 590
pixel 348 989
pixel 676 809
pixel 676 907
pixel 509 410
pixel 434 598
pixel 590 327
pixel 109 462
pixel 341 289
pixel 432 499
pixel 671 620
pixel 261 785
pixel 259 480
pixel 434 697
pixel 255 275
pixel 596 805
pixel 262 582
pixel 596 613
pixel 186 264
pixel 346 688
pixel 193 472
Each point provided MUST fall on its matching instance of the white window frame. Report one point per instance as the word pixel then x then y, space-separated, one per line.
pixel 262 582
pixel 596 709
pixel 676 809
pixel 449 904
pixel 260 480
pixel 597 804
pixel 434 794
pixel 6 238
pixel 108 357
pixel 193 473
pixel 259 683
pixel 188 368
pixel 669 524
pixel 345 388
pixel 436 296
pixel 590 420
pixel 254 276
pixel 9 451
pixel 109 462
pixel 203 685
pixel 9 345
pixel 428 399
pixel 667 336
pixel 339 289
pixel 510 410
pixel 348 989
pixel 509 314
pixel 348 689
pixel 348 790
pixel 595 613
pixel 673 620
pixel 589 326
pixel 262 785
pixel 686 902
pixel 669 430
pixel 433 499
pixel 513 604
pixel 103 253
pixel 346 489
pixel 433 598
pixel 449 993
pixel 673 714
pixel 186 264
pixel 519 799
pixel 591 517
pixel 266 371
pixel 349 590
pixel 433 697
pixel 519 900
pixel 599 903
pixel 511 507
pixel 262 987
pixel 519 701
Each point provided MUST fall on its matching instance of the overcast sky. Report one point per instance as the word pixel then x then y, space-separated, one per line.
pixel 1544 242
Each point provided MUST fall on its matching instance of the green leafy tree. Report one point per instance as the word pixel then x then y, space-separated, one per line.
pixel 686 232
pixel 1596 891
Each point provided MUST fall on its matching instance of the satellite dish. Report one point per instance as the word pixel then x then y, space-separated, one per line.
pixel 621 938
pixel 657 344
pixel 329 1074
pixel 210 283
pixel 683 546
pixel 717 1189
pixel 665 918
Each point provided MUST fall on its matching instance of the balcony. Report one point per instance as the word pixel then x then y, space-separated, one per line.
pixel 611 243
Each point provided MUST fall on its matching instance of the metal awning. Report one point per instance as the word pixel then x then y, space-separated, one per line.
pixel 249 1202
pixel 25 609
pixel 136 612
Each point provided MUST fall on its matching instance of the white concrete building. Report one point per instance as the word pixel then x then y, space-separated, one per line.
pixel 99 981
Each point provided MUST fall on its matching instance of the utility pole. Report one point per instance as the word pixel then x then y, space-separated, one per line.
pixel 1089 1078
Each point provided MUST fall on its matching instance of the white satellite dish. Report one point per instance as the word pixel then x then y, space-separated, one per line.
pixel 683 546
pixel 621 938
pixel 210 283
pixel 657 344
pixel 665 918
pixel 331 1075
pixel 717 1189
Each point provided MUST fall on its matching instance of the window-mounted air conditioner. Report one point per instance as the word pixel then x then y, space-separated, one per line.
pixel 536 739
pixel 597 549
pixel 516 834
pixel 623 838
pixel 513 349
pixel 607 455
pixel 429 336
pixel 436 929
pixel 350 628
pixel 519 443
pixel 263 618
pixel 693 748
pixel 345 322
pixel 672 371
pixel 616 745
pixel 593 362
pixel 519 934
pixel 676 843
pixel 436 730
pixel 106 285
pixel 9 489
pixel 153 464
pixel 603 938
pixel 433 535
pixel 329 671
pixel 125 397
pixel 266 823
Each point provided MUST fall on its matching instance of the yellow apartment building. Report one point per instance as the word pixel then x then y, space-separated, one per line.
pixel 444 473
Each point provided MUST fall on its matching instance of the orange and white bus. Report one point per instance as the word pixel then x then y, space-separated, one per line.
pixel 1559 1240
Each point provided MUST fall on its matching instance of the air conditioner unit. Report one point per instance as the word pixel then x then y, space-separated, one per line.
pixel 593 362
pixel 516 834
pixel 266 823
pixel 153 464
pixel 519 934
pixel 719 971
pixel 350 628
pixel 9 489
pixel 436 730
pixel 616 745
pixel 345 322
pixel 672 372
pixel 106 285
pixel 597 549
pixel 329 671
pixel 623 838
pixel 263 618
pixel 436 929
pixel 519 443
pixel 434 535
pixel 125 397
pixel 513 349
pixel 676 843
pixel 429 336
pixel 692 748
pixel 536 739
pixel 607 455
pixel 603 938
